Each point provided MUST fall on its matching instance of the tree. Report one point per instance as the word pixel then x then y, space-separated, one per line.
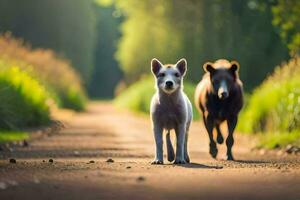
pixel 200 31
pixel 287 18
pixel 107 73
pixel 67 26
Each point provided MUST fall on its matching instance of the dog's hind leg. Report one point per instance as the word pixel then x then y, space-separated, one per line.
pixel 170 150
pixel 220 138
pixel 186 154
pixel 209 125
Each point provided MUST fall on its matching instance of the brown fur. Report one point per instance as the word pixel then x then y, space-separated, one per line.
pixel 216 110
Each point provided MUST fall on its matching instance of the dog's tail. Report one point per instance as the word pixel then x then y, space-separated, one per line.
pixel 170 150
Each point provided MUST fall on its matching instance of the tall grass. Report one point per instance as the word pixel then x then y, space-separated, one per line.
pixel 44 65
pixel 137 97
pixel 24 102
pixel 274 107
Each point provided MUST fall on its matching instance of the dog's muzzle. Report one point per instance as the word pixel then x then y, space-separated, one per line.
pixel 223 91
pixel 169 85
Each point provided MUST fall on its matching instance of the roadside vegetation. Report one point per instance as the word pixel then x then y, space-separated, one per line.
pixel 55 73
pixel 31 83
pixel 273 109
pixel 10 136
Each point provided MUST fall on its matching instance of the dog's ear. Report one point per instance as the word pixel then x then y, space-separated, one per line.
pixel 208 67
pixel 181 65
pixel 235 66
pixel 155 66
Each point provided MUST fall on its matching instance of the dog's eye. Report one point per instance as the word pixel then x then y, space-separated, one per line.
pixel 177 74
pixel 161 75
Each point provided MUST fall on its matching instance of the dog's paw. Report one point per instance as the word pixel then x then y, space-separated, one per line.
pixel 180 161
pixel 157 162
pixel 213 152
pixel 229 157
pixel 187 158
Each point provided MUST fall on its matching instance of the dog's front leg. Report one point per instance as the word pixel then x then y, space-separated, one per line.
pixel 158 131
pixel 180 135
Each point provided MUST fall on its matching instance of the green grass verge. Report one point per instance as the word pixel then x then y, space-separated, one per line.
pixel 73 99
pixel 9 136
pixel 279 140
pixel 137 97
pixel 274 108
pixel 23 101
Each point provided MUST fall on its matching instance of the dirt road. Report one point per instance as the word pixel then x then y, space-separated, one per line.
pixel 80 171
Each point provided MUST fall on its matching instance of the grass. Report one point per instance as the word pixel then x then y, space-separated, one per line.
pixel 137 97
pixel 9 136
pixel 279 140
pixel 31 81
pixel 24 102
pixel 55 73
pixel 273 109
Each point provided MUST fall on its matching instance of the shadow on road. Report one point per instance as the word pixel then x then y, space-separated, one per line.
pixel 251 161
pixel 200 166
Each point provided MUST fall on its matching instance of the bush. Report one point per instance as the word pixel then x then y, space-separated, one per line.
pixel 73 99
pixel 24 102
pixel 275 105
pixel 56 74
pixel 137 97
pixel 8 136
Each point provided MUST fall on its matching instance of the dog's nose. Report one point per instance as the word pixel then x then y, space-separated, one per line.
pixel 224 95
pixel 169 84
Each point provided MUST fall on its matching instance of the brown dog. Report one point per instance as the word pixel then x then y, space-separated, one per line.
pixel 219 96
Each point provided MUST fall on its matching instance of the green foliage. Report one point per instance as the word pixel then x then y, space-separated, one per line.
pixel 286 18
pixel 138 96
pixel 66 26
pixel 8 136
pixel 107 73
pixel 275 105
pixel 23 100
pixel 54 73
pixel 200 31
pixel 282 139
pixel 73 99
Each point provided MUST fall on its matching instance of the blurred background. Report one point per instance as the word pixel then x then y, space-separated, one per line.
pixel 60 53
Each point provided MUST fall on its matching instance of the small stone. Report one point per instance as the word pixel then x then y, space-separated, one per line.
pixel 25 143
pixel 289 149
pixel 44 160
pixel 12 160
pixel 91 161
pixel 128 167
pixel 3 186
pixel 50 160
pixel 141 178
pixel 76 153
pixel 110 160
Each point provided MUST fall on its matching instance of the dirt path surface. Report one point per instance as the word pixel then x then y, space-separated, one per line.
pixel 80 171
